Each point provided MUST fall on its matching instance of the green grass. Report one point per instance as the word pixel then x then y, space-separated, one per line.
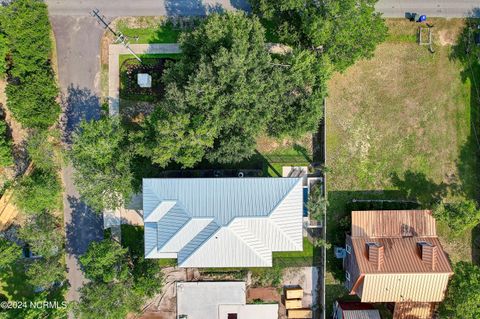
pixel 152 33
pixel 400 126
pixel 308 251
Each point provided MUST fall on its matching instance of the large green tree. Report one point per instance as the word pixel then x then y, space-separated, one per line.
pixel 38 192
pixel 3 55
pixel 32 99
pixel 44 150
pixel 121 279
pixel 102 158
pixel 26 25
pixel 43 233
pixel 463 295
pixel 10 252
pixel 6 156
pixel 226 90
pixel 345 31
pixel 105 261
pixel 107 300
pixel 44 272
pixel 31 88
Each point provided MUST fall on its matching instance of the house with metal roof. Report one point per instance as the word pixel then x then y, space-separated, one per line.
pixel 219 300
pixel 222 222
pixel 396 257
pixel 354 310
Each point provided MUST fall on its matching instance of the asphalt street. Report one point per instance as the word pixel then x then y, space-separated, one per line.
pixel 78 48
pixel 431 8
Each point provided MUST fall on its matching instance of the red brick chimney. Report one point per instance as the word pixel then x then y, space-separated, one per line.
pixel 375 253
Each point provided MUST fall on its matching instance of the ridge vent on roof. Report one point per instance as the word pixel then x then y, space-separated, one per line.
pixel 375 253
pixel 428 253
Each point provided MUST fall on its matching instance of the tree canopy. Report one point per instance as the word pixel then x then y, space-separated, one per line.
pixel 6 156
pixel 102 157
pixel 42 232
pixel 31 88
pixel 459 215
pixel 120 280
pixel 106 300
pixel 26 26
pixel 463 295
pixel 38 192
pixel 32 99
pixel 9 253
pixel 105 261
pixel 3 55
pixel 344 31
pixel 226 90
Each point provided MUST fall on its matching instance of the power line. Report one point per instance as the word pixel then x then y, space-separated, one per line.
pixel 120 37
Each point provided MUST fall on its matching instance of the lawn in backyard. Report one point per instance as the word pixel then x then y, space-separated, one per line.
pixel 401 126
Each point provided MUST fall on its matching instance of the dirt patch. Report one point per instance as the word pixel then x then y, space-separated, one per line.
pixel 446 38
pixel 267 144
pixel 264 294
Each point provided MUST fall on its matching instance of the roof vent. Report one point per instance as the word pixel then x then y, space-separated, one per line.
pixel 428 253
pixel 375 252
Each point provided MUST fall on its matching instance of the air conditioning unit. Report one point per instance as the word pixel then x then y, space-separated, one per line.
pixel 340 252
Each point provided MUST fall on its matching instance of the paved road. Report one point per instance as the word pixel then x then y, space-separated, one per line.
pixel 78 47
pixel 78 50
pixel 432 8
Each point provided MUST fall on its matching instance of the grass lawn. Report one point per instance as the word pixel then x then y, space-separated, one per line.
pixel 133 239
pixel 399 126
pixel 148 30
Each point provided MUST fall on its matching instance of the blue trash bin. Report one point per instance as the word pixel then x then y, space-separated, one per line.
pixel 422 18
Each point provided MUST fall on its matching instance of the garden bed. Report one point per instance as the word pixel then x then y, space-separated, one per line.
pixel 129 70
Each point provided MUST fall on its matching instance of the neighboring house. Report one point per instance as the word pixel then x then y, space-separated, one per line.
pixel 219 300
pixel 354 310
pixel 396 257
pixel 222 222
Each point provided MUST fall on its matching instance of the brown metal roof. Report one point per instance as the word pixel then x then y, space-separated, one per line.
pixel 393 223
pixel 414 310
pixel 401 255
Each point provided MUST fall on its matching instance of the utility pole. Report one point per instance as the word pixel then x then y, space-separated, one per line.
pixel 120 37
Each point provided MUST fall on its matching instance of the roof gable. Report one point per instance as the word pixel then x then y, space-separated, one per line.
pixel 251 216
pixel 220 198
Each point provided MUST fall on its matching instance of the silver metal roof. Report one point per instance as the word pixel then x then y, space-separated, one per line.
pixel 222 222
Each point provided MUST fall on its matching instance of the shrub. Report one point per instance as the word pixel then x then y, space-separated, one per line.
pixel 33 100
pixel 38 192
pixel 6 157
pixel 459 215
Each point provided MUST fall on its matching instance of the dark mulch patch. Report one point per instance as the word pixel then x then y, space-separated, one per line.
pixel 129 88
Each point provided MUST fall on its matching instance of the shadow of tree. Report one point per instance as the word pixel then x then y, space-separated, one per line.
pixel 417 186
pixel 302 151
pixel 85 226
pixel 185 7
pixel 241 5
pixel 78 104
